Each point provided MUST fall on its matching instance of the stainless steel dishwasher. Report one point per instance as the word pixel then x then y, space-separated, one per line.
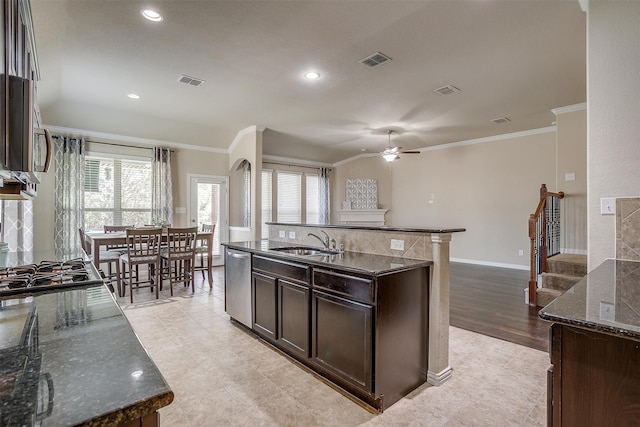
pixel 237 279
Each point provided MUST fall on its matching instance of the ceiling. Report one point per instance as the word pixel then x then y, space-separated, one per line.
pixel 514 59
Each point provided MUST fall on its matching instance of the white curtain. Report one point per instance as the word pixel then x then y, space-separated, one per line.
pixel 323 196
pixel 69 192
pixel 161 195
pixel 16 224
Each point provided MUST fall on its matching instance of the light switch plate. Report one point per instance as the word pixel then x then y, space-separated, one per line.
pixel 292 234
pixel 397 244
pixel 608 206
pixel 570 176
pixel 282 233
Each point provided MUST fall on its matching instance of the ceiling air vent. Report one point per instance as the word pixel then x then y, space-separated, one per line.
pixel 446 90
pixel 192 81
pixel 499 120
pixel 375 60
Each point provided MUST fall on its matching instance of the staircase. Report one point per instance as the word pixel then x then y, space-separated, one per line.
pixel 564 271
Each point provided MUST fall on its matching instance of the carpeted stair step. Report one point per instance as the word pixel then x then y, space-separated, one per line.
pixel 559 282
pixel 544 296
pixel 568 264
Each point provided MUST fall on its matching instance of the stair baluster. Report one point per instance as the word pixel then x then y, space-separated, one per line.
pixel 544 234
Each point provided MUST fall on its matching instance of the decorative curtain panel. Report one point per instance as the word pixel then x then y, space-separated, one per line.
pixel 246 193
pixel 69 193
pixel 323 196
pixel 161 195
pixel 16 224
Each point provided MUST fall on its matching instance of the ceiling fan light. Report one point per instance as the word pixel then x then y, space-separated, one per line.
pixel 390 157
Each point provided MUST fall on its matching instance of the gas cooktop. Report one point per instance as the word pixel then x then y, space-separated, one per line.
pixel 47 276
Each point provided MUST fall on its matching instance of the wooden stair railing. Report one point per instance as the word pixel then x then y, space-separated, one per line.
pixel 544 234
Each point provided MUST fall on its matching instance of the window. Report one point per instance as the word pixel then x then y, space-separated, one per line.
pixel 267 210
pixel 313 201
pixel 289 197
pixel 117 191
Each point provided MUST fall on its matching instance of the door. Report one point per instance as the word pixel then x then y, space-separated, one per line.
pixel 209 204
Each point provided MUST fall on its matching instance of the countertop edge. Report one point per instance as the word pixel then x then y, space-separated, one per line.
pixel 133 412
pixel 592 326
pixel 302 259
pixel 408 229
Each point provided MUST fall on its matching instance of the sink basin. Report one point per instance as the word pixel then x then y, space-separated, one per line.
pixel 304 251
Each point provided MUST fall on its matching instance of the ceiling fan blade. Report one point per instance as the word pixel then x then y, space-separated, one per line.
pixel 409 152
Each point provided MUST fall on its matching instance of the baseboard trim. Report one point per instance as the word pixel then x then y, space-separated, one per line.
pixel 573 251
pixel 490 264
pixel 439 378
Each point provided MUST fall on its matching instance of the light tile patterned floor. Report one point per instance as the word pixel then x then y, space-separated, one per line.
pixel 224 376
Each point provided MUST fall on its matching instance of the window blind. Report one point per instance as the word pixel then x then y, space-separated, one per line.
pixel 267 210
pixel 289 197
pixel 312 200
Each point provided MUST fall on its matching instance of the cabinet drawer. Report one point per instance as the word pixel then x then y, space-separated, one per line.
pixel 284 269
pixel 351 286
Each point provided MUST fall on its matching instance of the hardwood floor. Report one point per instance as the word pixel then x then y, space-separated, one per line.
pixel 490 301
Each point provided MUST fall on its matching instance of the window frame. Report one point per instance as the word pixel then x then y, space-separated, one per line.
pixel 117 199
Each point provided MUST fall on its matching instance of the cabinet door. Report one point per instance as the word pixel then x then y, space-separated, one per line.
pixel 342 338
pixel 293 315
pixel 263 304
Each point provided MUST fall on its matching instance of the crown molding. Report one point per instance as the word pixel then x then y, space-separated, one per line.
pixel 146 142
pixel 246 131
pixel 569 108
pixel 584 5
pixel 294 162
pixel 483 140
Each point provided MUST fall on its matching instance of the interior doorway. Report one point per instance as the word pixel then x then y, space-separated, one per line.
pixel 209 204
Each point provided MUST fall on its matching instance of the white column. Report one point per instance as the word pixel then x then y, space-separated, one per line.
pixel 439 370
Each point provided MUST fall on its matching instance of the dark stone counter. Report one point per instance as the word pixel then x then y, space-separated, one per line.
pixel 71 358
pixel 405 229
pixel 354 262
pixel 606 300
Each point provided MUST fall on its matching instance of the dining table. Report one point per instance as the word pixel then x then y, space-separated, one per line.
pixel 98 239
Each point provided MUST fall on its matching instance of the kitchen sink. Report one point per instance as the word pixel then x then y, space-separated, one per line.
pixel 304 251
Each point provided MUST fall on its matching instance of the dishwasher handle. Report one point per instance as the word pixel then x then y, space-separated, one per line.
pixel 240 255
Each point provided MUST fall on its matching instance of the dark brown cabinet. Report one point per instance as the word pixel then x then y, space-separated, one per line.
pixel 342 338
pixel 293 315
pixel 263 305
pixel 595 378
pixel 366 333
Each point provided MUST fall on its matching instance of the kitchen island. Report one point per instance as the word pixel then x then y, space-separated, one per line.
pixel 595 349
pixel 70 357
pixel 358 320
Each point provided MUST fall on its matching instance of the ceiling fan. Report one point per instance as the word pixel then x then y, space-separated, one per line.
pixel 392 153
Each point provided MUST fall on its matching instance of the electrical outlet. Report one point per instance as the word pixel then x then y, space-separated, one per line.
pixel 608 206
pixel 282 233
pixel 520 252
pixel 397 245
pixel 292 234
pixel 570 176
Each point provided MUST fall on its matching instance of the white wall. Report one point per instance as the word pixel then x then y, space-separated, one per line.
pixel 489 188
pixel 613 94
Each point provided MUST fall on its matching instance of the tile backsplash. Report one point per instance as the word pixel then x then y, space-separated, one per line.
pixel 628 228
pixel 416 245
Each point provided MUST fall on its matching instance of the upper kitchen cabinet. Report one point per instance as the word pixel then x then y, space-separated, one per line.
pixel 24 151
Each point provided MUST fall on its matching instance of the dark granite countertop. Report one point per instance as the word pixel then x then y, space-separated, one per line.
pixel 607 300
pixel 12 259
pixel 354 262
pixel 405 229
pixel 72 357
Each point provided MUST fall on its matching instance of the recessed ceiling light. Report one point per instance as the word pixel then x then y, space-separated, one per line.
pixel 133 96
pixel 312 75
pixel 151 15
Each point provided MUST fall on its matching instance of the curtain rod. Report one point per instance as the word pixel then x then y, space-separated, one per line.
pixel 296 166
pixel 105 143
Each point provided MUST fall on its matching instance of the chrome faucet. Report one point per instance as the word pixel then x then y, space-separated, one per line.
pixel 325 241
